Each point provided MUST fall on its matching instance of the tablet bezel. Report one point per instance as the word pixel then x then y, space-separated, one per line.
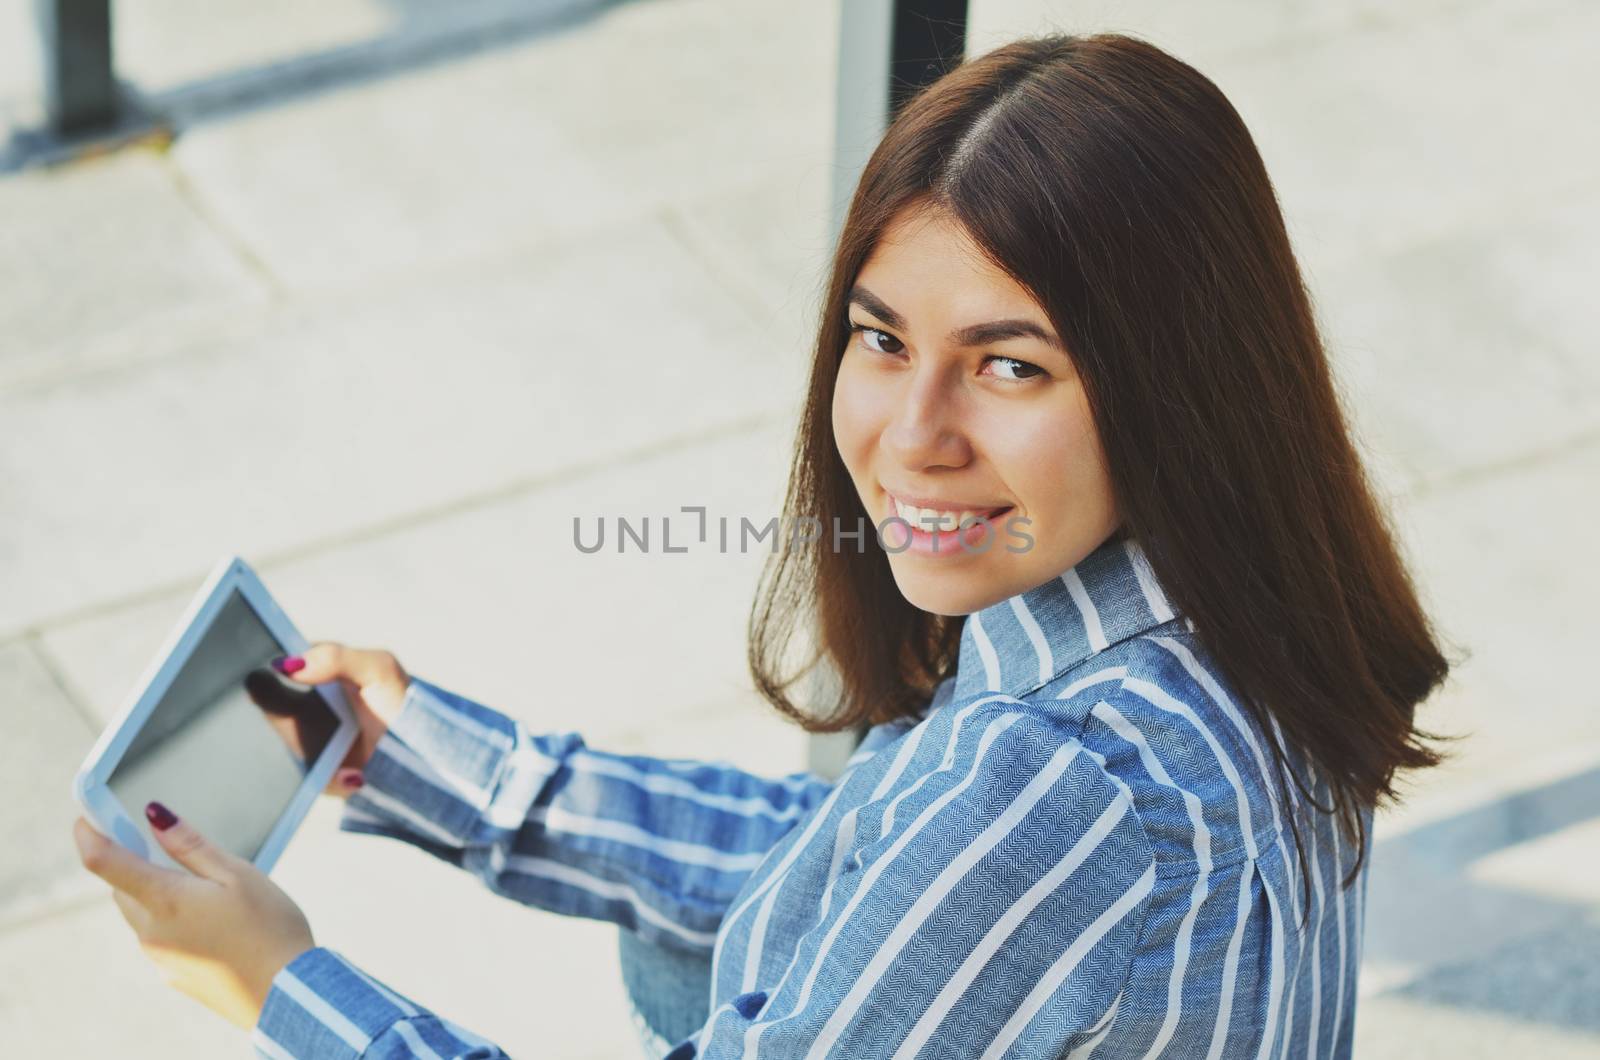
pixel 128 826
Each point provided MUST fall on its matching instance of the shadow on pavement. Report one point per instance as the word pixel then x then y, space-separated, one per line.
pixel 416 43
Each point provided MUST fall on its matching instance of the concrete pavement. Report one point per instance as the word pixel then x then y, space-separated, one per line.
pixel 387 340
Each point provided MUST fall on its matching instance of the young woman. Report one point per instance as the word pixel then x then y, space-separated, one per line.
pixel 1136 651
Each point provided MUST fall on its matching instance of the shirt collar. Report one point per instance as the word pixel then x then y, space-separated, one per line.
pixel 1023 642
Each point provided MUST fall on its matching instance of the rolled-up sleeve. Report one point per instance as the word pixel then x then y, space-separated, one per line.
pixel 660 846
pixel 321 1006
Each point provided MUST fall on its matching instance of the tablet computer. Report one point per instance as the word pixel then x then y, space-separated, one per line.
pixel 216 733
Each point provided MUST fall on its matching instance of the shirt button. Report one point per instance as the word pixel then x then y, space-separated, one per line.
pixel 747 1005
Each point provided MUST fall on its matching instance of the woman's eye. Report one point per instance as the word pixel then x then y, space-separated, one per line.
pixel 1015 370
pixel 1008 368
pixel 865 331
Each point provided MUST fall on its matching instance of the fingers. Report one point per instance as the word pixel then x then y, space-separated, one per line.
pixel 299 713
pixel 118 866
pixel 327 661
pixel 185 845
pixel 345 783
pixel 275 695
pixel 137 916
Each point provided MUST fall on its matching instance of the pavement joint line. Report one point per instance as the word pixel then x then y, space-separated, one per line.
pixel 32 643
pixel 683 231
pixel 66 366
pixel 61 897
pixel 424 277
pixel 1356 24
pixel 1478 221
pixel 231 238
pixel 237 323
pixel 1467 477
pixel 1273 49
pixel 549 244
pixel 516 488
pixel 231 322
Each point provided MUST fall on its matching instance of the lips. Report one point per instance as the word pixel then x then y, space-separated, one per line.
pixel 942 517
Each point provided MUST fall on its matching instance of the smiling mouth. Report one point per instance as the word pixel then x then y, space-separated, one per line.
pixel 928 520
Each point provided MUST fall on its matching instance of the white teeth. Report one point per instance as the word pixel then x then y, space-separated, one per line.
pixel 940 519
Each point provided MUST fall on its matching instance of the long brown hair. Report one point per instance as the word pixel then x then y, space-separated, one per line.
pixel 1121 189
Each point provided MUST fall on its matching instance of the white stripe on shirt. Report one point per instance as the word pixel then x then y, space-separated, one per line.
pixel 1214 691
pixel 1342 898
pixel 1041 647
pixel 585 763
pixel 991 661
pixel 1004 927
pixel 572 876
pixel 1202 853
pixel 775 879
pixel 990 734
pixel 951 875
pixel 1098 1033
pixel 1091 617
pixel 1230 966
pixel 1080 947
pixel 1153 596
pixel 559 819
pixel 318 1008
pixel 1275 983
pixel 1099 677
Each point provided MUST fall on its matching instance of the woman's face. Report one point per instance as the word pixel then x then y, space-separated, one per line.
pixel 992 423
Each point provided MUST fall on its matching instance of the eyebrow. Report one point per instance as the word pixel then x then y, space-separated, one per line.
pixel 971 335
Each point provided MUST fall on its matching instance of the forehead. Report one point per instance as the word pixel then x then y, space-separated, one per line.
pixel 925 261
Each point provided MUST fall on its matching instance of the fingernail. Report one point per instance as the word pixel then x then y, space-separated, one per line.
pixel 352 779
pixel 160 817
pixel 288 664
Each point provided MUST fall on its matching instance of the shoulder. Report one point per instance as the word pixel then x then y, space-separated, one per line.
pixel 995 807
pixel 1167 723
pixel 988 885
pixel 1004 776
pixel 884 733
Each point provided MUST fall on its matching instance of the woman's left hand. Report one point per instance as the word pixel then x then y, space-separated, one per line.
pixel 219 934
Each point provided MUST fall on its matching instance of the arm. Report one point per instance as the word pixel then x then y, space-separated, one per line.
pixel 1000 919
pixel 660 846
pixel 227 936
pixel 322 1006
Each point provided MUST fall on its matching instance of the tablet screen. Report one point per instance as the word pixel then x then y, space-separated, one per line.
pixel 230 740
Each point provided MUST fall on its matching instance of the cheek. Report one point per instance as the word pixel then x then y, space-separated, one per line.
pixel 857 416
pixel 1055 465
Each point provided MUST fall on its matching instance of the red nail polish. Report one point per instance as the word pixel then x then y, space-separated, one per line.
pixel 288 664
pixel 160 817
pixel 353 780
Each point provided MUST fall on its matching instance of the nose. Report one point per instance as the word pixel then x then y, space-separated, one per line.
pixel 926 427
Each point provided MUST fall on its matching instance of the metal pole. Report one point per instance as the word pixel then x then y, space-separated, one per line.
pixel 930 36
pixel 888 50
pixel 80 85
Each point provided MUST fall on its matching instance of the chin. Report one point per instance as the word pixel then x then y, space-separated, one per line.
pixel 951 593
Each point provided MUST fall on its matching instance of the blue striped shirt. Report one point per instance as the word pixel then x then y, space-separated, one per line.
pixel 1075 850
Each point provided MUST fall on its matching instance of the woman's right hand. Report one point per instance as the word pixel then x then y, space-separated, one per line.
pixel 374 685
